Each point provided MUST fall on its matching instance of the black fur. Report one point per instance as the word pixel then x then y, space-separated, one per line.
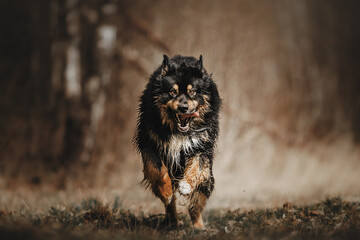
pixel 181 71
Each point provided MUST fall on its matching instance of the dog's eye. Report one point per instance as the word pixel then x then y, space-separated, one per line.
pixel 192 92
pixel 173 92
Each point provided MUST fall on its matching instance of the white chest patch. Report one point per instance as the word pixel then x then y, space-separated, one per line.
pixel 176 144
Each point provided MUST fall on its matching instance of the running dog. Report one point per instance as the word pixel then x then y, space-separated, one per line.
pixel 178 125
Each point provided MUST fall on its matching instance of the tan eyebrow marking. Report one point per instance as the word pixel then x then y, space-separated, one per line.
pixel 189 87
pixel 176 87
pixel 193 104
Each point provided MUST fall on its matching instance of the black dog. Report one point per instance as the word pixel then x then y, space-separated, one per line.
pixel 178 125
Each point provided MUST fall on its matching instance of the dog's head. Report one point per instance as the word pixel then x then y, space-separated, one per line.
pixel 182 90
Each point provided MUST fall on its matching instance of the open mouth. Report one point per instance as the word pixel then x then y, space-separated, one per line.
pixel 183 120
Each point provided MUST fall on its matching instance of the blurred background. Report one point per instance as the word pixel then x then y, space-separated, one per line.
pixel 288 72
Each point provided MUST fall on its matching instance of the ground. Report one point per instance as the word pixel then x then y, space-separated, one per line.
pixel 332 218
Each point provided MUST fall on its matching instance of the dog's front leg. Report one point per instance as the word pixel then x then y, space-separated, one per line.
pixel 194 174
pixel 197 183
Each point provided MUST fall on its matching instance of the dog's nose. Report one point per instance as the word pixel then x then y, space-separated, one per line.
pixel 183 107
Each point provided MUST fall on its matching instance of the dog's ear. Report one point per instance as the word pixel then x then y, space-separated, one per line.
pixel 199 64
pixel 165 61
pixel 165 65
pixel 183 65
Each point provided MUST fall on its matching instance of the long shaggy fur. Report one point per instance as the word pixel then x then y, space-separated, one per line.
pixel 178 124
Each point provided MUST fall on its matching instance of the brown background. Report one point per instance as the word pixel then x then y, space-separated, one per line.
pixel 288 72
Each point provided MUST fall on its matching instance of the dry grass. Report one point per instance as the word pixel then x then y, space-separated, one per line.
pixel 92 219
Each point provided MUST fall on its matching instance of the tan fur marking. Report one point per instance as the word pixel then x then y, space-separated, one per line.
pixel 189 87
pixel 192 171
pixel 163 110
pixel 163 113
pixel 164 70
pixel 206 97
pixel 164 116
pixel 193 175
pixel 203 109
pixel 173 104
pixel 206 106
pixel 205 136
pixel 199 223
pixel 176 87
pixel 165 186
pixel 159 181
pixel 157 101
pixel 197 204
pixel 192 104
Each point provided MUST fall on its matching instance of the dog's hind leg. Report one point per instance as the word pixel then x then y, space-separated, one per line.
pixel 171 215
pixel 197 204
pixel 160 183
pixel 198 183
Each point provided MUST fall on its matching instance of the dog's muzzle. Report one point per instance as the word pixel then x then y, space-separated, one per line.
pixel 183 120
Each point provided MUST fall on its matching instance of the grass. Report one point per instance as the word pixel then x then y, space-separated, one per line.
pixel 92 219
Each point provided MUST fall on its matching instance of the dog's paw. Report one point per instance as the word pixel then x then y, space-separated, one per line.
pixel 184 188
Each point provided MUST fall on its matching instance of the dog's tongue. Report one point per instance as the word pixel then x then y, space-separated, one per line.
pixel 194 114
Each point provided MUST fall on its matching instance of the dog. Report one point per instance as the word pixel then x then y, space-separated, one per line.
pixel 177 129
